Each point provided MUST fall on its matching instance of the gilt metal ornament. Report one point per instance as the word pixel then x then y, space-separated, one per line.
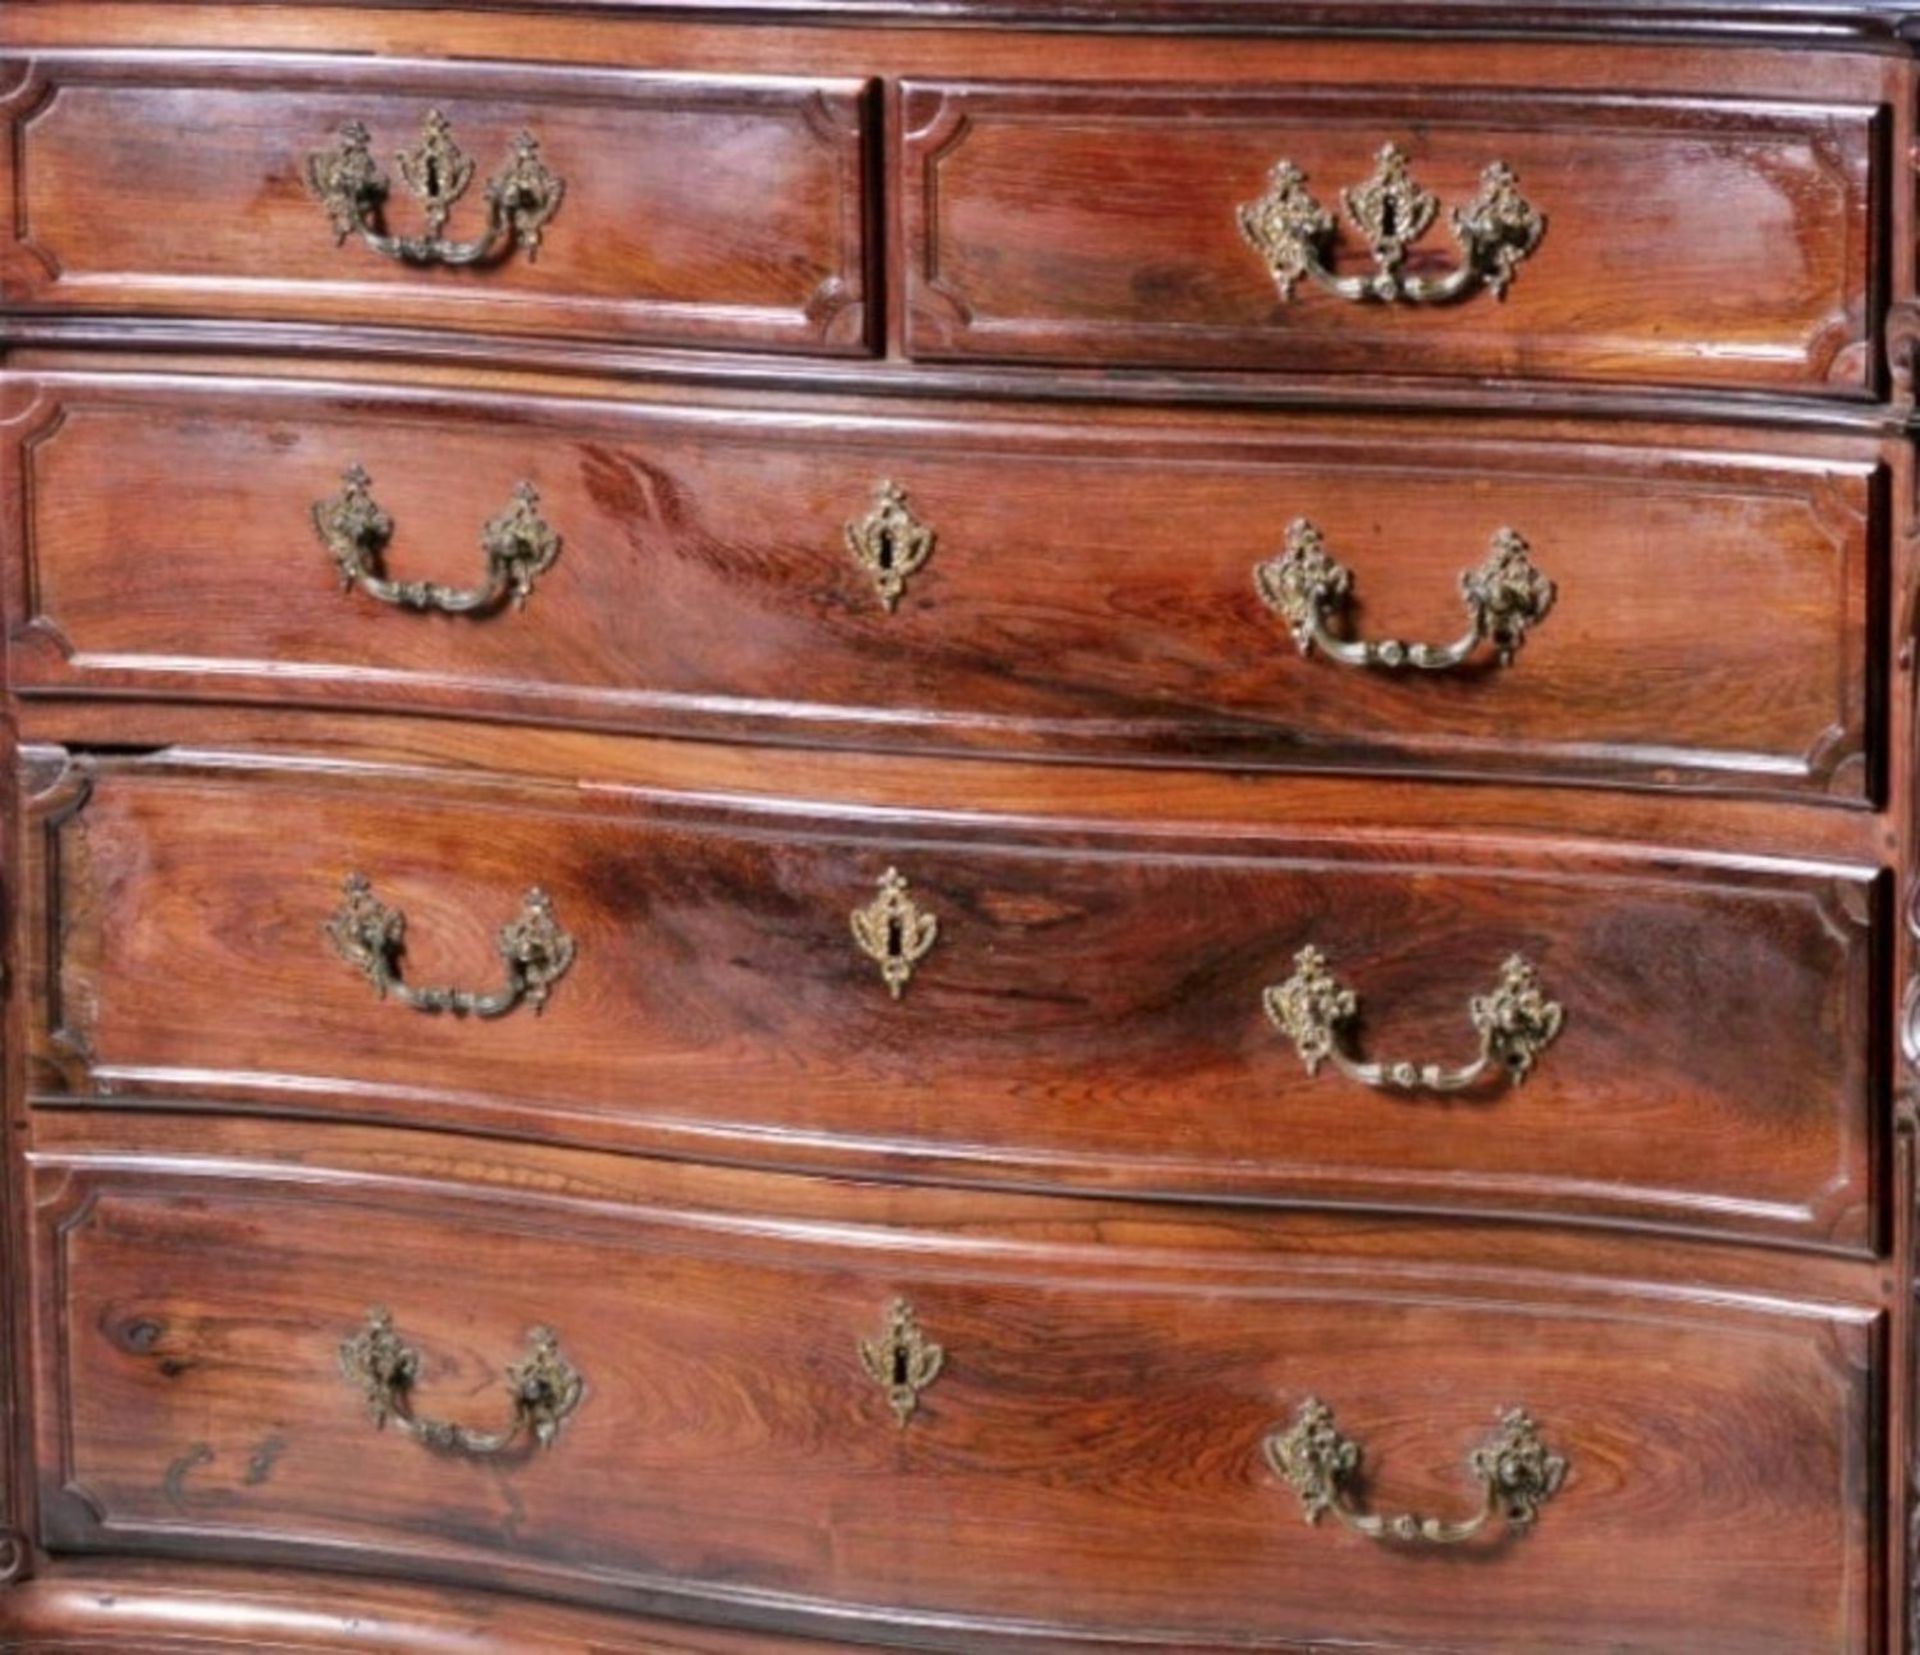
pixel 894 932
pixel 1295 235
pixel 1514 1468
pixel 521 198
pixel 902 1361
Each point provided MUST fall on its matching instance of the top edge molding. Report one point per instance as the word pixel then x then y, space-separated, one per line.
pixel 1832 22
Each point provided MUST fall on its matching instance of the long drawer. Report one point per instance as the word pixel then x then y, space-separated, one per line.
pixel 1612 1033
pixel 1190 591
pixel 948 1433
pixel 592 203
pixel 1461 230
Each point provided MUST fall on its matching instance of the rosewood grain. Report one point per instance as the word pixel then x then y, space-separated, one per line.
pixel 1089 592
pixel 647 242
pixel 1089 1015
pixel 1087 1459
pixel 1688 242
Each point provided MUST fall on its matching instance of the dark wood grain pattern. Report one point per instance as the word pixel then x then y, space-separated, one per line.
pixel 1688 243
pixel 646 243
pixel 1087 1429
pixel 1090 591
pixel 1091 1013
pixel 986 249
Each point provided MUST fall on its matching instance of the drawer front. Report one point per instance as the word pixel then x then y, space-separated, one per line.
pixel 970 1431
pixel 1702 241
pixel 628 221
pixel 1098 589
pixel 1070 1008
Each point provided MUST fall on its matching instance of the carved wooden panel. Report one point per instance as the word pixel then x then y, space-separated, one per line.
pixel 1695 241
pixel 1090 588
pixel 1087 1010
pixel 710 211
pixel 1088 1459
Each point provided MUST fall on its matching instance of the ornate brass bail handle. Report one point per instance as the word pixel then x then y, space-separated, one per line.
pixel 518 546
pixel 1295 235
pixel 521 198
pixel 1506 597
pixel 1513 1467
pixel 544 1386
pixel 371 937
pixel 1516 1023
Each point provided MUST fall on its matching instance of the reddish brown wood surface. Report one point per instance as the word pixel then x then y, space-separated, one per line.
pixel 1090 1015
pixel 1686 242
pixel 111 213
pixel 1088 1457
pixel 87 1606
pixel 1090 590
pixel 1689 378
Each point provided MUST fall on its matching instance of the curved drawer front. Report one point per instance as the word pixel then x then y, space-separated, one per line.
pixel 1695 241
pixel 1688 1044
pixel 556 201
pixel 1048 587
pixel 964 1432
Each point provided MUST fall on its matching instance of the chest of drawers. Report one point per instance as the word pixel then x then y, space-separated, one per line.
pixel 989 826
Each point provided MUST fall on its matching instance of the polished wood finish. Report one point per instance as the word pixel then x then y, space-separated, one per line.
pixel 644 245
pixel 1090 593
pixel 1089 1431
pixel 1699 242
pixel 986 250
pixel 1090 1016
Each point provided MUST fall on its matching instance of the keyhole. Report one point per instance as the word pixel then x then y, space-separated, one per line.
pixel 896 939
pixel 1389 220
pixel 433 176
pixel 899 1366
pixel 886 549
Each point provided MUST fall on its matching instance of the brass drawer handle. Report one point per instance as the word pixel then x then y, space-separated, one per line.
pixel 521 198
pixel 544 1385
pixel 371 937
pixel 1513 1468
pixel 1294 234
pixel 1505 597
pixel 519 546
pixel 1516 1023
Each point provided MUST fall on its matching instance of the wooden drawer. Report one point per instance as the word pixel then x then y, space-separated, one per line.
pixel 1076 1006
pixel 1090 589
pixel 649 176
pixel 1698 241
pixel 1097 1447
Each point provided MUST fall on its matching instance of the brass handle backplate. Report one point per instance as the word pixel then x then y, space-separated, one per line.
pixel 521 198
pixel 1505 597
pixel 371 937
pixel 519 546
pixel 1516 1023
pixel 1294 234
pixel 544 1386
pixel 1516 1473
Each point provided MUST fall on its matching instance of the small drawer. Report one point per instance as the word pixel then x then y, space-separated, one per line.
pixel 1251 1015
pixel 1467 231
pixel 847 1420
pixel 555 201
pixel 1203 593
